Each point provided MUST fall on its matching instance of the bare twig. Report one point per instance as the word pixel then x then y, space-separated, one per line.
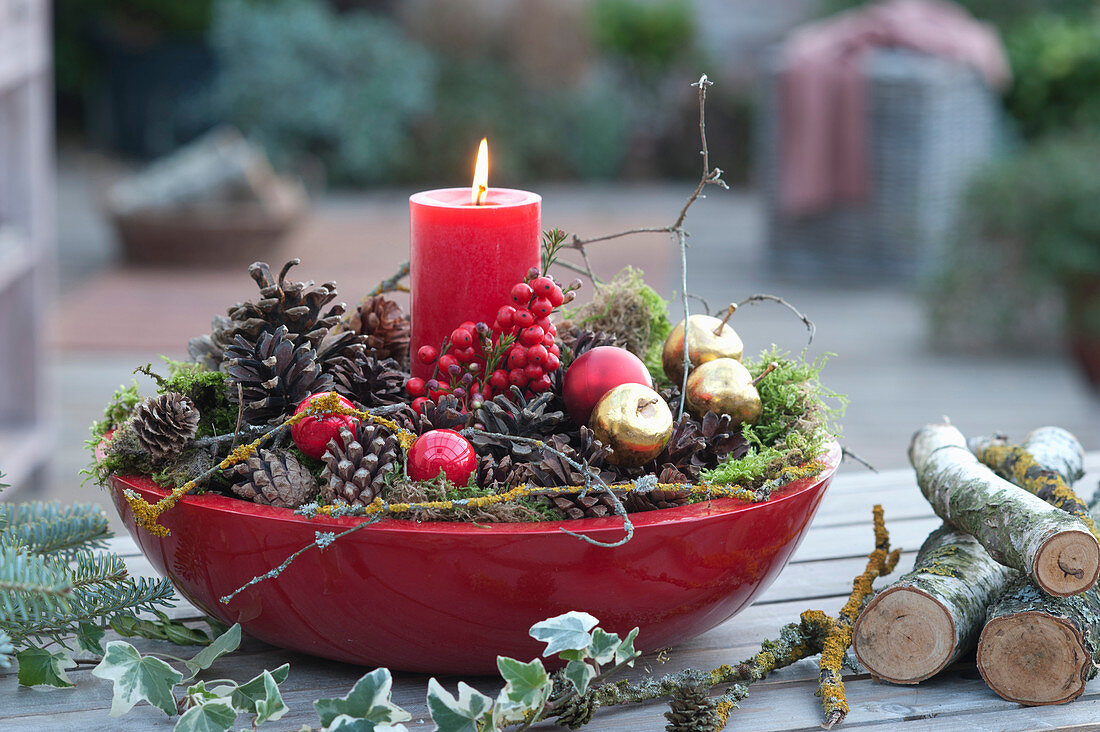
pixel 753 299
pixel 392 282
pixel 845 453
pixel 706 305
pixel 240 414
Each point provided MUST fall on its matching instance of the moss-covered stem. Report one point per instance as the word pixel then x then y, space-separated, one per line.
pixel 931 616
pixel 1016 528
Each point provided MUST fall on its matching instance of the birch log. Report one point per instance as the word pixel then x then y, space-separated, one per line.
pixel 1017 529
pixel 1052 448
pixel 932 615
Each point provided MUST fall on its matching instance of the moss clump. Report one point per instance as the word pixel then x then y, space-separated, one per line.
pixel 117 413
pixel 797 420
pixel 633 311
pixel 206 390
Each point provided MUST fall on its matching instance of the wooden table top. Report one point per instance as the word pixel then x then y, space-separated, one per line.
pixel 818 577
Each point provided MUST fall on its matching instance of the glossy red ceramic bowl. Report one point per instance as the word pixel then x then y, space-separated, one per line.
pixel 449 597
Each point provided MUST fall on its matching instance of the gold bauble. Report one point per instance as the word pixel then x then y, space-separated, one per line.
pixel 723 386
pixel 634 421
pixel 708 338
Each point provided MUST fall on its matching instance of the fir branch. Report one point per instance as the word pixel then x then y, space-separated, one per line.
pixel 52 528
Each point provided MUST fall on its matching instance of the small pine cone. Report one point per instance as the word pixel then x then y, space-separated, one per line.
pixel 722 440
pixel 671 395
pixel 669 474
pixel 594 504
pixel 516 417
pixel 357 464
pixel 656 499
pixel 209 350
pixel 372 382
pixel 579 341
pixel 578 710
pixel 164 424
pixel 553 471
pixel 692 709
pixel 494 474
pixel 274 479
pixel 443 414
pixel 386 328
pixel 274 376
pixel 684 451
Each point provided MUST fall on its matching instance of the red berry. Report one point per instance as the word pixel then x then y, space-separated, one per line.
pixel 468 325
pixel 533 371
pixel 415 386
pixel 504 317
pixel 541 307
pixel 427 354
pixel 445 362
pixel 540 384
pixel 462 338
pixel 517 357
pixel 552 362
pixel 537 354
pixel 314 432
pixel 521 294
pixel 546 325
pixel 548 340
pixel 499 380
pixel 518 378
pixel 531 336
pixel 464 355
pixel 554 348
pixel 523 318
pixel 418 403
pixel 556 297
pixel 543 285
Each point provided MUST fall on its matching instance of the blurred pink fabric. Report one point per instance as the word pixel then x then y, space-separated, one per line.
pixel 823 92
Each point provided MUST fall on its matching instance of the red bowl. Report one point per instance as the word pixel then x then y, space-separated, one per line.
pixel 447 598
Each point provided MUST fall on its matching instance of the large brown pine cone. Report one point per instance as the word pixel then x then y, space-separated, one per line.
pixel 274 479
pixel 274 376
pixel 495 474
pixel 385 326
pixel 442 414
pixel 372 382
pixel 551 470
pixel 356 465
pixel 517 417
pixel 164 424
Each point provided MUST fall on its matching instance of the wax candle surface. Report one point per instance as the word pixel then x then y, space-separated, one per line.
pixel 464 258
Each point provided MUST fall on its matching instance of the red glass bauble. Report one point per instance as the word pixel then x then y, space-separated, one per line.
pixel 444 450
pixel 313 433
pixel 597 372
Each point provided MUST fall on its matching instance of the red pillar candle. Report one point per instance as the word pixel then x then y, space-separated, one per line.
pixel 465 258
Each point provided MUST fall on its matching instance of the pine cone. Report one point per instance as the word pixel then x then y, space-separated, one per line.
pixel 357 464
pixel 518 417
pixel 274 375
pixel 275 480
pixel 386 328
pixel 684 451
pixel 552 471
pixel 443 414
pixel 494 474
pixel 372 382
pixel 692 709
pixel 578 710
pixel 337 347
pixel 205 350
pixel 164 424
pixel 722 440
pixel 578 340
pixel 295 305
pixel 657 499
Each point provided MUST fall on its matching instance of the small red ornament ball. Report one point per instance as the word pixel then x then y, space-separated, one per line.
pixel 444 450
pixel 313 433
pixel 597 372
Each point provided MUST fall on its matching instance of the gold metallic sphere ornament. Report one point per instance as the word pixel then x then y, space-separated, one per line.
pixel 634 421
pixel 725 386
pixel 708 338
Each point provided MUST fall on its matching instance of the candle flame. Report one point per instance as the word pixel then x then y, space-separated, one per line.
pixel 481 174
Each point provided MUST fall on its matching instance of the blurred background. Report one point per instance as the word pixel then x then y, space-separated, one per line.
pixel 921 179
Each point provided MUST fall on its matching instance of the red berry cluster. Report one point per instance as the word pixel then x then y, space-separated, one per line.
pixel 477 362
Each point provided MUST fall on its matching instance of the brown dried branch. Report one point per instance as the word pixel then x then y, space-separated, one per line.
pixel 753 299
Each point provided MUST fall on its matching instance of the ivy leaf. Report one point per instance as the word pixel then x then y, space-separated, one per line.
pixel 528 683
pixel 568 632
pixel 247 694
pixel 270 707
pixel 137 678
pixel 225 643
pixel 344 723
pixel 626 649
pixel 89 637
pixel 369 699
pixel 39 667
pixel 161 628
pixel 197 693
pixel 457 715
pixel 215 716
pixel 580 674
pixel 603 646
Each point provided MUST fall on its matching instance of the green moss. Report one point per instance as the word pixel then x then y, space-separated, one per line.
pixel 796 423
pixel 206 390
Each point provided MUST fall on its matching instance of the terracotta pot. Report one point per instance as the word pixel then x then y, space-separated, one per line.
pixel 447 598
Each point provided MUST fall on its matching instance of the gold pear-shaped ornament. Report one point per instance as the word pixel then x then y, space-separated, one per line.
pixel 708 338
pixel 725 386
pixel 634 421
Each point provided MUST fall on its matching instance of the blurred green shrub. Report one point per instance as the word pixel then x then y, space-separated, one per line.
pixel 1056 64
pixel 652 35
pixel 305 81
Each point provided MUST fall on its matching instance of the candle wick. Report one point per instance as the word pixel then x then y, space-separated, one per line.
pixel 481 191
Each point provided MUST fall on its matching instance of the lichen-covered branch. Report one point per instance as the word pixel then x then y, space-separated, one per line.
pixel 393 282
pixel 1016 528
pixel 929 617
pixel 880 562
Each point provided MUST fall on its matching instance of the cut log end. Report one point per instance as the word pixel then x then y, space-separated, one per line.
pixel 904 636
pixel 1068 563
pixel 1033 658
